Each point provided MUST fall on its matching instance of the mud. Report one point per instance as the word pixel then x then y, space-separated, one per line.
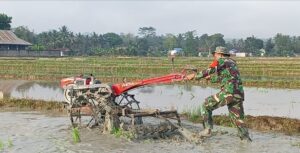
pixel 35 132
pixel 258 101
pixel 50 130
pixel 260 123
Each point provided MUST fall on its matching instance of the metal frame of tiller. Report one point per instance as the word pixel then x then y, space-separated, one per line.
pixel 97 100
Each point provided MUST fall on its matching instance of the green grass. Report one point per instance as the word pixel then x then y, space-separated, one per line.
pixel 260 72
pixel 119 132
pixel 32 104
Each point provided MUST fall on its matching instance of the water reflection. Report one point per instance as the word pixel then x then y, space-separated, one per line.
pixel 149 89
pixel 7 86
pixel 31 89
pixel 27 85
pixel 259 101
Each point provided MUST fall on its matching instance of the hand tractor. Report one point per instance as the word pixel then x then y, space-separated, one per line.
pixel 106 104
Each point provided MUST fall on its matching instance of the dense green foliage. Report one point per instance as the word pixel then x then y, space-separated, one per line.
pixel 148 43
pixel 5 22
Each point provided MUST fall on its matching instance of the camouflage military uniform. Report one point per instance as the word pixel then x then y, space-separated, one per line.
pixel 231 94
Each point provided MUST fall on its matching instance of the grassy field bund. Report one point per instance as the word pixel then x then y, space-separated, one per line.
pixel 258 72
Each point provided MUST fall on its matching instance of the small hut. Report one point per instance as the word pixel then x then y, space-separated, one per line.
pixel 9 41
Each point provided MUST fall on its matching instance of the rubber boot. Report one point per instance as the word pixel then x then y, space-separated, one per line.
pixel 244 134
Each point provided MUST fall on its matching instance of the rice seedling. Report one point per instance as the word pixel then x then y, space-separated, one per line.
pixel 117 132
pixel 120 132
pixel 297 144
pixel 10 143
pixel 75 135
pixel 193 114
pixel 1 145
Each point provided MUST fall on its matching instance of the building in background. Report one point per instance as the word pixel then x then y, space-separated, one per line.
pixel 9 41
pixel 176 52
pixel 12 46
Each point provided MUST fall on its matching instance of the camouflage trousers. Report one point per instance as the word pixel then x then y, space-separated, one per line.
pixel 235 108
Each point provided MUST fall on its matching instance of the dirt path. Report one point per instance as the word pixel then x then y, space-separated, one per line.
pixel 34 132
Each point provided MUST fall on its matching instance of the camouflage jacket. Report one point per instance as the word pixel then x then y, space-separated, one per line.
pixel 227 74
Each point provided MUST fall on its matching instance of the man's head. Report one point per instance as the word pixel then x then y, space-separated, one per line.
pixel 220 52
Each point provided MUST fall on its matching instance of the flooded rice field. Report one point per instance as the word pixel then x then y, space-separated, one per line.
pixel 35 132
pixel 45 132
pixel 259 101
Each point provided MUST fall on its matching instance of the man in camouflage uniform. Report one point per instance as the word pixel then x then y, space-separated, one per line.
pixel 231 94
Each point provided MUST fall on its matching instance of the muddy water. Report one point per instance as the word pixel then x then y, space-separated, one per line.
pixel 33 90
pixel 259 101
pixel 34 132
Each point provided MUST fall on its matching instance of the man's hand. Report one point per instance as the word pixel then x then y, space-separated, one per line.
pixel 208 77
pixel 190 76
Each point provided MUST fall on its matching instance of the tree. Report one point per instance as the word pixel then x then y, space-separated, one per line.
pixel 169 42
pixel 64 37
pixel 5 22
pixel 180 41
pixel 282 42
pixel 218 40
pixel 79 46
pixel 296 44
pixel 96 40
pixel 130 43
pixel 253 45
pixel 211 42
pixel 142 47
pixel 191 44
pixel 37 47
pixel 147 31
pixel 25 34
pixel 241 45
pixel 148 42
pixel 269 46
pixel 112 39
pixel 202 41
pixel 283 45
pixel 229 45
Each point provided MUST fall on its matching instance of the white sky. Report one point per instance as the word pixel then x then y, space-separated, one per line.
pixel 234 19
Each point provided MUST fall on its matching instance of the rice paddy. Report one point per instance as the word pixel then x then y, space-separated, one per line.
pixel 257 72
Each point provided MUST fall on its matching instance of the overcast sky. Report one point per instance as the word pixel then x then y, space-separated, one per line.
pixel 234 19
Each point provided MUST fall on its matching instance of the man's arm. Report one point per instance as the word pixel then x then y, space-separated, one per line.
pixel 215 79
pixel 205 73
